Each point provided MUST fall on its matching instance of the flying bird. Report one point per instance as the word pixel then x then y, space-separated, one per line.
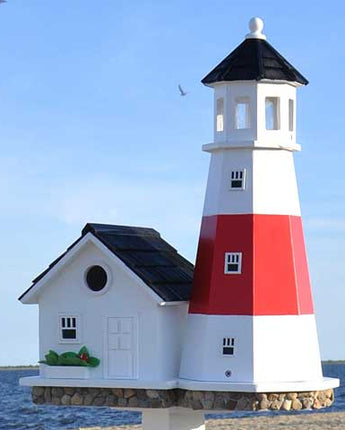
pixel 182 93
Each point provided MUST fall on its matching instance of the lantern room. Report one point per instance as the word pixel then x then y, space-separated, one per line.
pixel 255 95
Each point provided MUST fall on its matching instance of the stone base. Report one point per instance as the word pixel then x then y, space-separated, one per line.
pixel 197 400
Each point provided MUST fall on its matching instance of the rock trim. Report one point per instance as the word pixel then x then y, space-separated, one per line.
pixel 127 398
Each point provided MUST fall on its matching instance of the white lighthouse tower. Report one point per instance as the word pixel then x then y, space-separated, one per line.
pixel 251 324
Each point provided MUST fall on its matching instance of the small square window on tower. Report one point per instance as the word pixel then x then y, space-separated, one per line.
pixel 238 179
pixel 220 115
pixel 233 263
pixel 242 113
pixel 228 346
pixel 272 113
pixel 69 328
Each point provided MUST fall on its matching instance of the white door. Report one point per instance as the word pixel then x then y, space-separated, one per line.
pixel 121 347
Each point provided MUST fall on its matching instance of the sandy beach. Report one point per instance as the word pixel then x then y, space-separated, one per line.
pixel 317 421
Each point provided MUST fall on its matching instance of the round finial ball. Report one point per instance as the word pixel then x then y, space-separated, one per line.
pixel 256 25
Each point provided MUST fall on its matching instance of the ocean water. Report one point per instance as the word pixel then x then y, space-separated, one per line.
pixel 18 412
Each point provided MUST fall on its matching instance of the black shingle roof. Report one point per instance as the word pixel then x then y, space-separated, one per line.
pixel 149 256
pixel 254 59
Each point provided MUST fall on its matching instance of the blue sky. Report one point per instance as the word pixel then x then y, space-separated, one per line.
pixel 92 129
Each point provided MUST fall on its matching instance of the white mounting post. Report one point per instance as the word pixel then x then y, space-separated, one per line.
pixel 172 419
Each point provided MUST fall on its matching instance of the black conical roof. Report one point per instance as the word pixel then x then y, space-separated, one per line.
pixel 254 59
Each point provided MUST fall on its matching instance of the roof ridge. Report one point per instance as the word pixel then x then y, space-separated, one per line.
pixel 259 53
pixel 117 229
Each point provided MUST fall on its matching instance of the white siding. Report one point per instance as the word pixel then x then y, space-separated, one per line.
pixel 270 183
pixel 202 357
pixel 286 348
pixel 152 324
pixel 274 183
pixel 220 199
pixel 268 349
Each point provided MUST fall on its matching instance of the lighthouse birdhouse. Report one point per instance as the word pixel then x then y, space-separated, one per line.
pixel 125 321
pixel 251 323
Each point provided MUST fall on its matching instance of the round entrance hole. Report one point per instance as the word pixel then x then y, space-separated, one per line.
pixel 96 278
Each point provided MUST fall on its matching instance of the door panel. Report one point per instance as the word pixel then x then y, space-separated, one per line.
pixel 120 347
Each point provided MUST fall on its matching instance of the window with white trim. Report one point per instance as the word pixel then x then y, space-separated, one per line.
pixel 233 263
pixel 272 111
pixel 242 113
pixel 228 346
pixel 220 114
pixel 69 328
pixel 238 179
pixel 291 115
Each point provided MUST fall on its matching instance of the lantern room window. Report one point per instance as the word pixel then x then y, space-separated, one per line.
pixel 291 115
pixel 242 113
pixel 69 328
pixel 228 346
pixel 220 115
pixel 238 179
pixel 233 263
pixel 272 113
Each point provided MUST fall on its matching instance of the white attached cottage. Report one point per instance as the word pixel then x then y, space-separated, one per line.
pixel 123 293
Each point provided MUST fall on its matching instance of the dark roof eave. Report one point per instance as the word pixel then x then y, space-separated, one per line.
pixel 260 79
